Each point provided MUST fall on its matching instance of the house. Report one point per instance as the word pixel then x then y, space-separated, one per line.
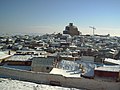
pixel 108 72
pixel 19 60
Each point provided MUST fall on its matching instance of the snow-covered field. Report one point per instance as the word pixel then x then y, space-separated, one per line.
pixel 8 84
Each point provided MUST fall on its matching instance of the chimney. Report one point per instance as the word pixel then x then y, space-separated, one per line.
pixel 70 24
pixel 9 52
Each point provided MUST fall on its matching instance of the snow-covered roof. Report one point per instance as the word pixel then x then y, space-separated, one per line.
pixel 66 56
pixel 73 69
pixel 19 58
pixel 115 68
pixel 112 61
pixel 3 55
pixel 73 46
pixel 67 69
pixel 24 51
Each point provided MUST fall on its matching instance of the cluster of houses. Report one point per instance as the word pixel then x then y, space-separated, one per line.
pixel 76 55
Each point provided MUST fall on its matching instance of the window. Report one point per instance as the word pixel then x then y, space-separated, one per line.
pixel 47 68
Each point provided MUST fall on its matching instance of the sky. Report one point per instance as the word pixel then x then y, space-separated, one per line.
pixel 49 16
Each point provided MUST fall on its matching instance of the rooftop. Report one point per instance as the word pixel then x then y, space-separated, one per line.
pixel 19 58
pixel 115 68
pixel 73 69
pixel 112 61
pixel 3 55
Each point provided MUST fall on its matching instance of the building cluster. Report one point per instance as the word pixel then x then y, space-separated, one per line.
pixel 72 53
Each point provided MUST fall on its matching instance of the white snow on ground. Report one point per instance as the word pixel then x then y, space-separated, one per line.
pixel 8 84
pixel 65 73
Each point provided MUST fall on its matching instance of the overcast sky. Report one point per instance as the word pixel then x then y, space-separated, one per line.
pixel 48 16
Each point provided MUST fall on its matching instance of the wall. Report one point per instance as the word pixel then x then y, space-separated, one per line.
pixel 20 63
pixel 42 69
pixel 64 81
pixel 87 58
pixel 106 74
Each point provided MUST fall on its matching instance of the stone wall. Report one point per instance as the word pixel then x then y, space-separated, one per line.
pixel 59 79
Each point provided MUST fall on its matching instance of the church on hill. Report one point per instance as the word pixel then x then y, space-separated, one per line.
pixel 71 30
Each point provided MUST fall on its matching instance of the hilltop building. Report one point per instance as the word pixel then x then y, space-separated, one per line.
pixel 71 30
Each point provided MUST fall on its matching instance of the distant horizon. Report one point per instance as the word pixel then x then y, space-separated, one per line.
pixel 38 33
pixel 44 16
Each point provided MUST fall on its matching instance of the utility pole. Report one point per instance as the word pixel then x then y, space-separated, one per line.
pixel 93 29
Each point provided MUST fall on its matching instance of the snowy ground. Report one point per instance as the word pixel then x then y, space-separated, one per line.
pixel 65 73
pixel 8 84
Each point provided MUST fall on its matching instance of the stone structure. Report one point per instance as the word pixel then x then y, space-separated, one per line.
pixel 71 30
pixel 41 64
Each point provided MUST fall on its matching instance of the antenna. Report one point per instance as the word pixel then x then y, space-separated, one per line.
pixel 93 29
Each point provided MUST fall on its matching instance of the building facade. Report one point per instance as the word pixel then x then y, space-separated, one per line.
pixel 71 30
